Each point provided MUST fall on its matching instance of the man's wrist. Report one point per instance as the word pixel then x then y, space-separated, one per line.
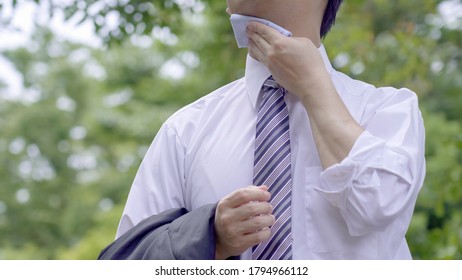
pixel 312 88
pixel 219 252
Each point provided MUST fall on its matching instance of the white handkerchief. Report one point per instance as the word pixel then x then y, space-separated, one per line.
pixel 240 22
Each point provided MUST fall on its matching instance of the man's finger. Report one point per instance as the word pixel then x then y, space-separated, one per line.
pixel 252 209
pixel 258 41
pixel 269 34
pixel 258 223
pixel 246 195
pixel 257 237
pixel 255 52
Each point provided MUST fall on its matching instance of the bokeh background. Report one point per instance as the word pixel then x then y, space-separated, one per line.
pixel 85 85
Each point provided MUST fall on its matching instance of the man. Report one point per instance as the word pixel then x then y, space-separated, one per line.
pixel 353 160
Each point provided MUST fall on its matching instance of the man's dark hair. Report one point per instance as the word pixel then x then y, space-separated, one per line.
pixel 329 16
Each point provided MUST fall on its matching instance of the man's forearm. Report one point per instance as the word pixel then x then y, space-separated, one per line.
pixel 334 129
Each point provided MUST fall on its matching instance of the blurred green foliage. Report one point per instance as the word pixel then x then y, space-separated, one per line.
pixel 71 146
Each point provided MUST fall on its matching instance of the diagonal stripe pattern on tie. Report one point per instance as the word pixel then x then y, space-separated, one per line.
pixel 272 167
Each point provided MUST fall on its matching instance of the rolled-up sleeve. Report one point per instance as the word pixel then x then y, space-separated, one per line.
pixel 378 182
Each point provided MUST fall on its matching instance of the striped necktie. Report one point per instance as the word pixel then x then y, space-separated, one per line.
pixel 272 167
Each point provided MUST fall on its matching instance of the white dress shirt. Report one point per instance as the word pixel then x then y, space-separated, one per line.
pixel 357 209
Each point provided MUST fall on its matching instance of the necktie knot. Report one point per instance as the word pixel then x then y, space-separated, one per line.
pixel 271 88
pixel 270 82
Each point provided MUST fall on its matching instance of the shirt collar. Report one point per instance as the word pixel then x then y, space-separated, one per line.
pixel 256 73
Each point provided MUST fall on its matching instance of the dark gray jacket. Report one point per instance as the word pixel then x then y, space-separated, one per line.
pixel 175 234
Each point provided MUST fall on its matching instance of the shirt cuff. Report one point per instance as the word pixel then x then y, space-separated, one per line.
pixel 368 152
pixel 336 182
pixel 340 175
